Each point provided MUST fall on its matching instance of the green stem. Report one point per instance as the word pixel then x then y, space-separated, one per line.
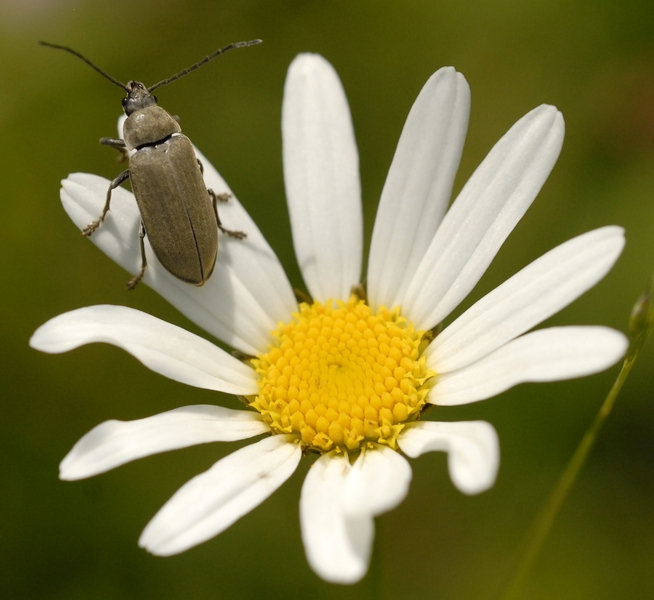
pixel 642 319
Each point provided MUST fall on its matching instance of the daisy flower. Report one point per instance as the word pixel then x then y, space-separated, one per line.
pixel 346 375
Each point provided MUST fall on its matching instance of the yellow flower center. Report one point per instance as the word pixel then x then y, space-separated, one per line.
pixel 341 376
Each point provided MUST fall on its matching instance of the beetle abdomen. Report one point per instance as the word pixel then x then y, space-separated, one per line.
pixel 176 208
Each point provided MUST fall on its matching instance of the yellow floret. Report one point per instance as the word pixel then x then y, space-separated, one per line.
pixel 341 376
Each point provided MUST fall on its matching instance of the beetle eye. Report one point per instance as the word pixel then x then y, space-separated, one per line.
pixel 123 102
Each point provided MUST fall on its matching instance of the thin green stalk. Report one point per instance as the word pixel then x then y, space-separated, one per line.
pixel 640 325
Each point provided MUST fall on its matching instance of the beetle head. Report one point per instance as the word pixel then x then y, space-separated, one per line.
pixel 138 97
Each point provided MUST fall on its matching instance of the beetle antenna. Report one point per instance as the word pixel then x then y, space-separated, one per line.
pixel 87 61
pixel 204 61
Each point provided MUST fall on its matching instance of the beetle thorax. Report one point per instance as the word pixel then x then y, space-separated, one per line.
pixel 148 126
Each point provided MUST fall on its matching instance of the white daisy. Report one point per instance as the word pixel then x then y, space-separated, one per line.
pixel 343 377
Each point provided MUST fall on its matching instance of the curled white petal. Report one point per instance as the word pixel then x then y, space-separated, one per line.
pixel 321 173
pixel 115 443
pixel 419 184
pixel 378 482
pixel 248 292
pixel 472 446
pixel 160 346
pixel 545 355
pixel 214 500
pixel 491 203
pixel 532 295
pixel 337 550
pixel 337 508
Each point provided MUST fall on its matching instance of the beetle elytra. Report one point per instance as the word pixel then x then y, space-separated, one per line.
pixel 179 214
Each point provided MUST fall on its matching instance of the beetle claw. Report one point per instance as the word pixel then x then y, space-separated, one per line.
pixel 91 227
pixel 134 281
pixel 239 235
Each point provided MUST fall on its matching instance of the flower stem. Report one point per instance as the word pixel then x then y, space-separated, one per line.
pixel 640 325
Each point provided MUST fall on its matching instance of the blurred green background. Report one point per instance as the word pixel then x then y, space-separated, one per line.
pixel 594 60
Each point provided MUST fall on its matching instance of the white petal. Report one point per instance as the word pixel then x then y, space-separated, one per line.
pixel 265 291
pixel 418 187
pixel 378 482
pixel 321 173
pixel 337 548
pixel 491 203
pixel 472 446
pixel 214 500
pixel 529 297
pixel 338 505
pixel 114 443
pixel 545 355
pixel 248 292
pixel 160 346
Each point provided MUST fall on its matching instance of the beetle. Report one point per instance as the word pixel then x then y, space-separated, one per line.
pixel 179 214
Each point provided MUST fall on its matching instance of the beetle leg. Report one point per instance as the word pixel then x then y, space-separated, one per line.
pixel 133 282
pixel 239 235
pixel 219 197
pixel 118 144
pixel 91 227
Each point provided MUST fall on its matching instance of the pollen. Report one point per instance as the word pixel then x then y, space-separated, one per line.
pixel 341 376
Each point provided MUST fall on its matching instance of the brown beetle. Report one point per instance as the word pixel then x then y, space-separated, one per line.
pixel 178 213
